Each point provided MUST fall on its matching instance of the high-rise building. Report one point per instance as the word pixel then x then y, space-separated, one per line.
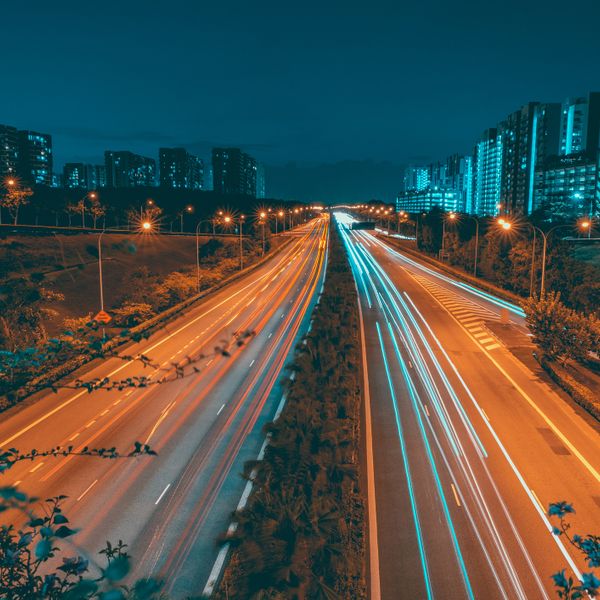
pixel 125 169
pixel 180 170
pixel 528 136
pixel 416 178
pixel 580 125
pixel 261 190
pixel 9 151
pixel 459 177
pixel 78 176
pixel 487 173
pixel 34 165
pixel 234 172
pixel 83 176
pixel 568 186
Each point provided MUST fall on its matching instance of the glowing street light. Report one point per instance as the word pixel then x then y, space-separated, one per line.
pixel 146 226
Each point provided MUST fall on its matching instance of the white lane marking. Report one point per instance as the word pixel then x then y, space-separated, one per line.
pixel 270 335
pixel 36 467
pixel 87 489
pixel 492 346
pixel 17 483
pixel 410 364
pixel 128 393
pixel 474 329
pixel 455 495
pixel 426 410
pixel 485 414
pixel 253 361
pixel 480 334
pixel 75 435
pixel 208 363
pixel 103 412
pixel 486 340
pixel 219 411
pixel 538 500
pixel 162 494
pixel 282 315
pixel 90 423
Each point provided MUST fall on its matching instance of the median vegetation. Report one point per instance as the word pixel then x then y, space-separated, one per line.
pixel 302 531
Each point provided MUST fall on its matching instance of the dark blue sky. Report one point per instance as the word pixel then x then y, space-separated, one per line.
pixel 316 82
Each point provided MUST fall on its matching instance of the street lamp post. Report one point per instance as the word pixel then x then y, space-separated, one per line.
pixel 241 242
pixel 198 249
pixel 452 217
pixel 263 217
pixel 100 270
pixel 476 244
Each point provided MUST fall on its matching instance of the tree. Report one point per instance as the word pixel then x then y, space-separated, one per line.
pixel 132 313
pixel 97 209
pixel 14 197
pixel 560 332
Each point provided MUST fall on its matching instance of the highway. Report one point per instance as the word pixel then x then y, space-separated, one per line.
pixel 171 508
pixel 466 445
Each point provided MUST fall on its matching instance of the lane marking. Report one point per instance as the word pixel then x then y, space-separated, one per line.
pixel 538 500
pixel 103 412
pixel 75 435
pixel 87 489
pixel 36 467
pixel 253 361
pixel 455 494
pixel 480 334
pixel 485 414
pixel 90 423
pixel 219 411
pixel 486 340
pixel 163 493
pixel 426 410
pixel 492 346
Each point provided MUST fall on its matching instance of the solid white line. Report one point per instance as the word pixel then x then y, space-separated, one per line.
pixel 88 489
pixel 485 414
pixel 375 587
pixel 219 411
pixel 163 493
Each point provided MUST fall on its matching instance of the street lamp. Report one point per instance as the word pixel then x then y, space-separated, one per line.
pixel 450 217
pixel 188 209
pixel 586 226
pixel 279 214
pixel 506 225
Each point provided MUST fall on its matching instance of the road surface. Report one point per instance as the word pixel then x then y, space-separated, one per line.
pixel 466 445
pixel 171 508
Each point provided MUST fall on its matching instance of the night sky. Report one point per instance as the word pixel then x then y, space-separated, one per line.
pixel 313 84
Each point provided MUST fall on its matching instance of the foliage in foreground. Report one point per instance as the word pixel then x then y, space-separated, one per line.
pixel 32 563
pixel 302 534
pixel 589 546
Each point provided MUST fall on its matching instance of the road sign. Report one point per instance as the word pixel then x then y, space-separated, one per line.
pixel 103 317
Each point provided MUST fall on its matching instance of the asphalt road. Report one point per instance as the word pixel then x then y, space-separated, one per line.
pixel 466 444
pixel 171 508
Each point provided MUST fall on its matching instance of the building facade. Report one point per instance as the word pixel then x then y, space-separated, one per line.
pixel 487 173
pixel 528 135
pixel 34 165
pixel 126 169
pixel 580 125
pixel 568 186
pixel 261 188
pixel 424 200
pixel 83 176
pixel 9 151
pixel 416 178
pixel 180 170
pixel 234 172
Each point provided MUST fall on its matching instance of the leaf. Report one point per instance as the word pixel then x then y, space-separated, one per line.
pixel 43 549
pixel 82 590
pixel 112 595
pixel 58 519
pixel 117 568
pixel 63 531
